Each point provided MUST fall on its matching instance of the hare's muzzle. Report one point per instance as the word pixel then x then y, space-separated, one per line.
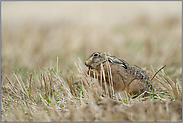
pixel 88 64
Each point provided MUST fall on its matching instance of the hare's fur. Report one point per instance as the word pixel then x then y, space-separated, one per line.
pixel 125 77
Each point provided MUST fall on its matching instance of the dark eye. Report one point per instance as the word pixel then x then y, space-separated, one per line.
pixel 96 54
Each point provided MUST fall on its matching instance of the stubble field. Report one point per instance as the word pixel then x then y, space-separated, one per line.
pixel 35 87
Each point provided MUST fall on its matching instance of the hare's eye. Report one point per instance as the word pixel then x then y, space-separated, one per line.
pixel 96 54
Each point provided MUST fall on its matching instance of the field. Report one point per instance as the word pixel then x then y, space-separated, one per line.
pixel 44 46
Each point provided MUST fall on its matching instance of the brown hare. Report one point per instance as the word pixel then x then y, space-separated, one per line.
pixel 118 73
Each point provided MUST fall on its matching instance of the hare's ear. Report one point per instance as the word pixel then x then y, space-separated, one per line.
pixel 116 60
pixel 123 65
pixel 108 53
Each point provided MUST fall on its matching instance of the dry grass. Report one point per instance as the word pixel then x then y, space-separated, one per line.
pixel 49 97
pixel 42 89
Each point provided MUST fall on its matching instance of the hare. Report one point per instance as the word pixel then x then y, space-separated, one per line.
pixel 119 73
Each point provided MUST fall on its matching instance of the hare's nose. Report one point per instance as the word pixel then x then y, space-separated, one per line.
pixel 86 63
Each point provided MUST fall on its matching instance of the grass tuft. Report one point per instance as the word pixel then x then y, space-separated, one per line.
pixel 77 100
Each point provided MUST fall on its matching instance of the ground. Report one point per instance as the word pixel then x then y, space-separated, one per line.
pixel 44 46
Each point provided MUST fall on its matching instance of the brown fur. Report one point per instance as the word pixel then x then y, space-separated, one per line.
pixel 132 79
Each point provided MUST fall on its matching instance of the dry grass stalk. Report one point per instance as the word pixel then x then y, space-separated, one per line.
pixel 157 72
pixel 88 103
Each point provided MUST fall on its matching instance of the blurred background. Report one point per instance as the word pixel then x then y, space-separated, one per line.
pixel 142 33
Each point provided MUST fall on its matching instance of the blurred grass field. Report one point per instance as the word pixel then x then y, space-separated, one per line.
pixel 34 34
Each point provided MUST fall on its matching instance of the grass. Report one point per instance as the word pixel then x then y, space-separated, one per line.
pixel 44 97
pixel 38 87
